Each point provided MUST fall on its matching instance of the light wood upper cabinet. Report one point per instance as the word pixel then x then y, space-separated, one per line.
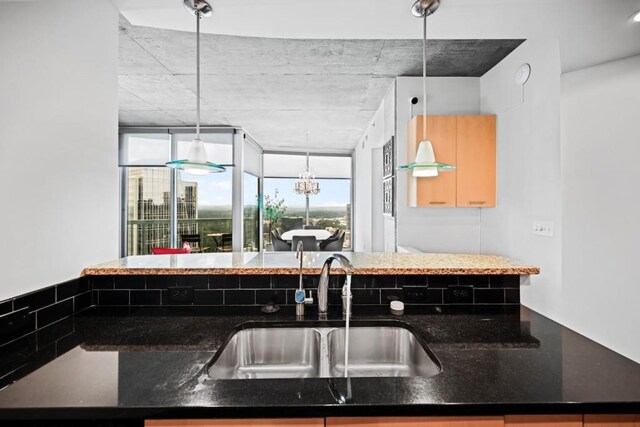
pixel 469 143
pixel 476 161
pixel 439 191
pixel 289 422
pixel 416 422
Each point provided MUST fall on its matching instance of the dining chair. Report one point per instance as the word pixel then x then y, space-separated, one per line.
pixel 333 243
pixel 169 251
pixel 309 243
pixel 278 243
pixel 227 242
pixel 194 241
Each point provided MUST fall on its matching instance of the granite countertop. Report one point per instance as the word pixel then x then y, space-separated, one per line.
pixel 150 365
pixel 286 263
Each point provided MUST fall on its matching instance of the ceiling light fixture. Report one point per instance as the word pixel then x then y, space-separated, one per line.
pixel 425 164
pixel 306 185
pixel 196 162
pixel 636 16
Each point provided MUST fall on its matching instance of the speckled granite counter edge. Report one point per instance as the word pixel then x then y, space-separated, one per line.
pixel 103 271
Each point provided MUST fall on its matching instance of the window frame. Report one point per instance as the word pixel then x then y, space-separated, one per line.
pixel 173 132
pixel 349 154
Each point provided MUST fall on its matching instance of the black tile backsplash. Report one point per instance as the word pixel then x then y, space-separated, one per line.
pixel 71 288
pixel 477 281
pixel 442 281
pixel 266 296
pixel 16 324
pixel 488 296
pixel 23 315
pixel 239 297
pixel 388 295
pixel 6 307
pixel 512 296
pixel 116 297
pixel 53 313
pixel 415 280
pixel 101 282
pixel 366 296
pixel 146 297
pixel 422 295
pixel 289 281
pixel 254 281
pixel 458 295
pixel 36 300
pixel 208 297
pixel 504 281
pixel 224 281
pixel 130 282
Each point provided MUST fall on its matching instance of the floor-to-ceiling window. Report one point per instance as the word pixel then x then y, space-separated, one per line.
pixel 164 205
pixel 251 213
pixel 330 209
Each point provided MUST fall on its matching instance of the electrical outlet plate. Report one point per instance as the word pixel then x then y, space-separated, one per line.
pixel 543 228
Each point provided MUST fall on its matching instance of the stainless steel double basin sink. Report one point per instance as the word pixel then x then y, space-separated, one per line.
pixel 286 351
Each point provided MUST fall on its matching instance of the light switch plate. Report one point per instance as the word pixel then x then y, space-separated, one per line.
pixel 543 228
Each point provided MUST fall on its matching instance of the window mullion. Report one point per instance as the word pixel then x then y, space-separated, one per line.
pixel 173 219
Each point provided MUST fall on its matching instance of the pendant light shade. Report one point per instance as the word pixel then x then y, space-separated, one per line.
pixel 425 155
pixel 425 164
pixel 196 162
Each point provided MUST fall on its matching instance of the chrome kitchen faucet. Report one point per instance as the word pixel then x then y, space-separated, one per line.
pixel 300 297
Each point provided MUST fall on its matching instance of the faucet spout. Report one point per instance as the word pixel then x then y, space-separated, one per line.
pixel 323 282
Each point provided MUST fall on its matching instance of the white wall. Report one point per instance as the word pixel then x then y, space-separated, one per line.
pixel 528 163
pixel 59 141
pixel 367 209
pixel 435 229
pixel 601 231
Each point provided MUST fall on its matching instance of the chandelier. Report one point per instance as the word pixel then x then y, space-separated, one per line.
pixel 306 185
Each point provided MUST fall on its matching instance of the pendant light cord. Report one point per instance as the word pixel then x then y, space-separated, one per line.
pixel 424 77
pixel 198 15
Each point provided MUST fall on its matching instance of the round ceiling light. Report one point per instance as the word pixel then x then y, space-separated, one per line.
pixel 636 16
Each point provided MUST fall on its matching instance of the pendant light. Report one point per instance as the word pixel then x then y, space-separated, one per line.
pixel 306 185
pixel 425 164
pixel 196 162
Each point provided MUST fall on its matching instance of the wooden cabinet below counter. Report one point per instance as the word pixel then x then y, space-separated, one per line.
pixel 577 420
pixel 262 422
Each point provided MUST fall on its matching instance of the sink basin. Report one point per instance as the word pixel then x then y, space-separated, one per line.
pixel 318 352
pixel 380 352
pixel 269 353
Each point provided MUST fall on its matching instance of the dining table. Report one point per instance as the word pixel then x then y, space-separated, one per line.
pixel 318 234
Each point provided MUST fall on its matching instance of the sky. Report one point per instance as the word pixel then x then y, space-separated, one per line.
pixel 215 189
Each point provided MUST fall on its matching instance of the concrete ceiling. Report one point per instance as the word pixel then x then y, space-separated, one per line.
pixel 277 89
pixel 589 31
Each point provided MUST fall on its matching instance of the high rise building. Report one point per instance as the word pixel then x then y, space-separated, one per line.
pixel 149 208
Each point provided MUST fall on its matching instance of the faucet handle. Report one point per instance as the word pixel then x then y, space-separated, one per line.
pixel 301 297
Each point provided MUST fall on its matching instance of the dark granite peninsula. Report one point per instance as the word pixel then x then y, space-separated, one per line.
pixel 126 358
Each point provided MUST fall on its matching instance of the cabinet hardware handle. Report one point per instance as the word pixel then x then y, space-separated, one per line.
pixel 477 203
pixel 437 203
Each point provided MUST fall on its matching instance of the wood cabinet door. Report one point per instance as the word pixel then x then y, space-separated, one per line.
pixel 626 420
pixel 293 422
pixel 476 161
pixel 439 191
pixel 416 422
pixel 543 420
